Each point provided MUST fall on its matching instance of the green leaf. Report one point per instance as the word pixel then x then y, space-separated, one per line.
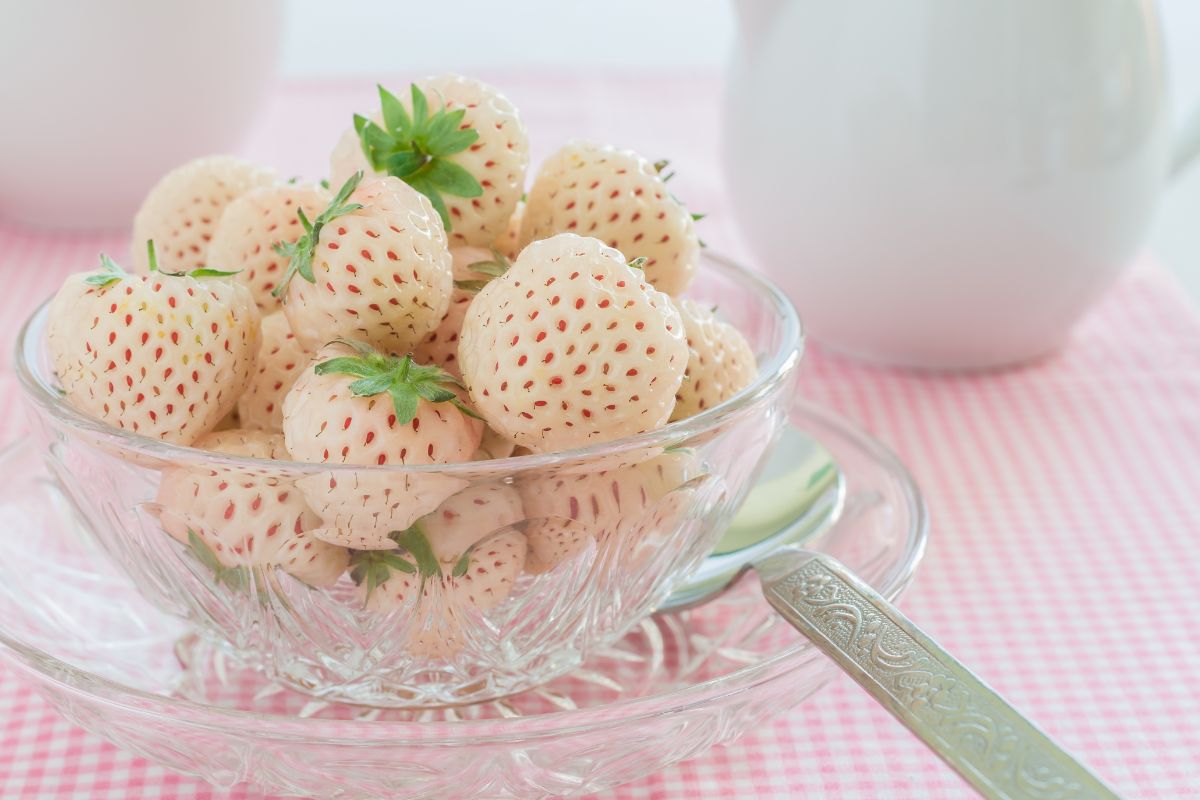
pixel 203 552
pixel 395 116
pixel 453 179
pixel 374 384
pixel 324 183
pixel 404 163
pixel 639 263
pixel 404 380
pixel 397 562
pixel 440 126
pixel 471 286
pixel 450 137
pixel 492 269
pixel 435 198
pixel 301 254
pixel 420 108
pixel 376 142
pixel 415 542
pixel 340 198
pixel 496 267
pixel 466 409
pixel 462 565
pixel 233 577
pixel 206 272
pixel 410 146
pixel 109 272
pixel 433 393
pixel 405 402
pixel 698 217
pixel 346 365
pixel 362 348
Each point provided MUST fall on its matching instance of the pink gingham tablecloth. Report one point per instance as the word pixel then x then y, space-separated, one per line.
pixel 1064 563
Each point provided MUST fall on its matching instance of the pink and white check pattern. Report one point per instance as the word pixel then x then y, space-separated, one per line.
pixel 1065 555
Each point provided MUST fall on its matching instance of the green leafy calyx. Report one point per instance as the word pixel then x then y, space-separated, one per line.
pixel 109 272
pixel 370 568
pixel 404 380
pixel 414 147
pixel 496 266
pixel 233 577
pixel 659 167
pixel 413 556
pixel 300 252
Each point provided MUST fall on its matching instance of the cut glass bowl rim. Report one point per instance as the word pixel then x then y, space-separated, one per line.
pixel 774 371
pixel 465 732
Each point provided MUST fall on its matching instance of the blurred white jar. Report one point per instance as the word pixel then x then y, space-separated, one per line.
pixel 99 99
pixel 946 183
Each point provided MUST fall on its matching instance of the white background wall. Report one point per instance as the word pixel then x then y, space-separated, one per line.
pixel 630 35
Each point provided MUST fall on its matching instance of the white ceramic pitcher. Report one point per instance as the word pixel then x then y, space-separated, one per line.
pixel 946 183
pixel 99 99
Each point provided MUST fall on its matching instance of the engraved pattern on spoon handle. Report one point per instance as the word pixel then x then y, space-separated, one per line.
pixel 988 742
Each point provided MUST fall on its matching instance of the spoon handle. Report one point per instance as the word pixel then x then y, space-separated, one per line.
pixel 988 742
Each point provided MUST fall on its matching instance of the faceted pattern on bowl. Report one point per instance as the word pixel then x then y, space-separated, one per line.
pixel 649 515
pixel 672 687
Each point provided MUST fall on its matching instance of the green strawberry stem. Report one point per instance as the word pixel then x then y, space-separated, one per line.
pixel 404 380
pixel 300 252
pixel 202 272
pixel 414 148
pixel 110 271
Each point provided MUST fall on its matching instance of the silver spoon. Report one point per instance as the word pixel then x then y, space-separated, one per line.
pixel 967 724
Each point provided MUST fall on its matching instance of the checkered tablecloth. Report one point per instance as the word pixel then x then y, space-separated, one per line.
pixel 1064 563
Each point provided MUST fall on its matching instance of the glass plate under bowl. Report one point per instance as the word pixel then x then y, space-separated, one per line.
pixel 673 687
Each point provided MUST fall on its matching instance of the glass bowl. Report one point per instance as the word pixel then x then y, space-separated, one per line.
pixel 673 686
pixel 565 552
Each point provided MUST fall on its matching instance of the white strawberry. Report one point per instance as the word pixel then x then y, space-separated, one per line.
pixel 553 540
pixel 373 266
pixel 163 355
pixel 440 600
pixel 508 243
pixel 311 560
pixel 246 516
pixel 603 501
pixel 476 512
pixel 472 267
pixel 571 347
pixel 480 577
pixel 353 405
pixel 720 362
pixel 281 359
pixel 492 445
pixel 251 226
pixel 456 140
pixel 620 198
pixel 183 209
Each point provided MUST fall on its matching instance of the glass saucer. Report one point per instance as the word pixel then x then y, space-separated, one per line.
pixel 676 685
